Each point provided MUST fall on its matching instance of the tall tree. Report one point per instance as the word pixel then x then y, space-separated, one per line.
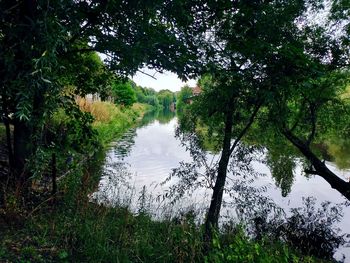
pixel 244 36
pixel 39 41
pixel 123 93
pixel 266 55
pixel 182 98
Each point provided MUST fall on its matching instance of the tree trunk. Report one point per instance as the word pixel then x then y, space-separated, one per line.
pixel 9 144
pixel 216 200
pixel 54 174
pixel 6 121
pixel 21 149
pixel 320 168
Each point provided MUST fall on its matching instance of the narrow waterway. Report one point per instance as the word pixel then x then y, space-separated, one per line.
pixel 137 165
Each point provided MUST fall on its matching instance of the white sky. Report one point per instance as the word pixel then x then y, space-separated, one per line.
pixel 166 80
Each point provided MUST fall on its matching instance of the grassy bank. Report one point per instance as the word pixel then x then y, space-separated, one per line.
pixel 91 233
pixel 71 228
pixel 112 121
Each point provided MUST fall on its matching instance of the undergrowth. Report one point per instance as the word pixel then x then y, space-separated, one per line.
pixel 71 228
pixel 110 120
pixel 91 233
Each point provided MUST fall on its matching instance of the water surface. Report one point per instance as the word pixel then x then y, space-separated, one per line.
pixel 138 163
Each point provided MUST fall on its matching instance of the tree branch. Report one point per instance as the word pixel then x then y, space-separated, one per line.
pixel 319 167
pixel 243 132
pixel 309 171
pixel 80 50
pixel 149 75
pixel 313 124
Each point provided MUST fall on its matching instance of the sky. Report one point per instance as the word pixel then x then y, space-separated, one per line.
pixel 166 80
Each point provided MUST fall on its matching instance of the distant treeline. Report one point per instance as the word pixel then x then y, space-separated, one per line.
pixel 127 92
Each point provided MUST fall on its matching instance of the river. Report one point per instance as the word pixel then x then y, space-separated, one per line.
pixel 137 165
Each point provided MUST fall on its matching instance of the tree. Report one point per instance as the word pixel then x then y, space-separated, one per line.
pixel 41 40
pixel 243 39
pixel 182 97
pixel 166 98
pixel 263 55
pixel 123 93
pixel 306 113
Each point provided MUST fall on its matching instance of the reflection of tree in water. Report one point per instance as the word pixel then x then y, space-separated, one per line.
pixel 282 168
pixel 309 228
pixel 125 143
pixel 340 152
pixel 280 158
pixel 162 115
pixel 165 116
pixel 115 188
pixel 148 118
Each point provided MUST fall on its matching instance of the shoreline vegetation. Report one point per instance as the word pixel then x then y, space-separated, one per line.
pixel 73 229
pixel 111 120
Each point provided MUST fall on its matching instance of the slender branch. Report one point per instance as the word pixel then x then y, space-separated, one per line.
pixel 243 132
pixel 308 171
pixel 92 17
pixel 81 32
pixel 81 50
pixel 298 117
pixel 149 75
pixel 313 124
pixel 12 7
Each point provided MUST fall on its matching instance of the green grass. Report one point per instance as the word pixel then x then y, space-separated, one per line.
pixel 77 230
pixel 92 233
pixel 120 119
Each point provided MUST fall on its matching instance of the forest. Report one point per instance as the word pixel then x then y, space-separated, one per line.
pixel 271 101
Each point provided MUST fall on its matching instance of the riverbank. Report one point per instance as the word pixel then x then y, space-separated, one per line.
pixel 73 229
pixel 111 121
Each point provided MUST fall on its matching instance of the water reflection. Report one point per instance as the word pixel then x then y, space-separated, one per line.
pixel 127 141
pixel 340 152
pixel 125 144
pixel 145 156
pixel 282 166
pixel 161 115
pixel 311 228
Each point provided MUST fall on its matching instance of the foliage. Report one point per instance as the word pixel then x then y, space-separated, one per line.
pixel 48 46
pixel 310 229
pixel 123 93
pixel 146 95
pixel 110 120
pixel 242 249
pixel 84 231
pixel 182 98
pixel 166 98
pixel 86 74
pixel 338 148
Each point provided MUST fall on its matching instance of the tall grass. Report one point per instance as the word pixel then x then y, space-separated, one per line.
pixel 88 232
pixel 112 120
pixel 78 230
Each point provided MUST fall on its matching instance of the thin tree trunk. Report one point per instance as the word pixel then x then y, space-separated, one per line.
pixel 320 168
pixel 216 200
pixel 21 149
pixel 6 122
pixel 54 174
pixel 9 144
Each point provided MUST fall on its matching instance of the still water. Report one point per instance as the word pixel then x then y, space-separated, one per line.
pixel 137 165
